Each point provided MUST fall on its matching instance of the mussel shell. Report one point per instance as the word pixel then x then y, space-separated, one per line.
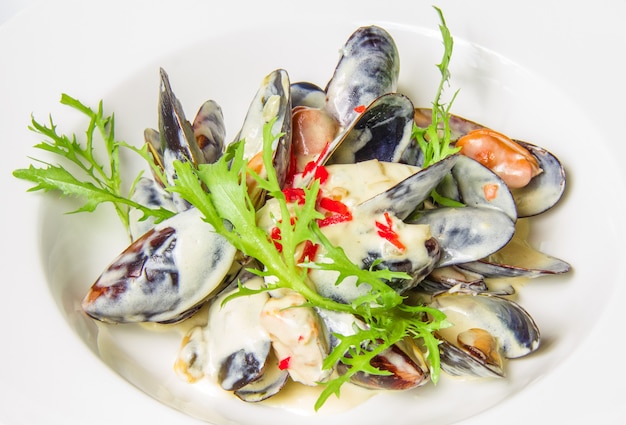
pixel 177 138
pixel 472 178
pixel 339 323
pixel 382 132
pixel 547 266
pixel 467 233
pixel 407 195
pixel 405 372
pixel 307 94
pixel 518 259
pixel 457 362
pixel 504 319
pixel 368 68
pixel 150 194
pixel 272 101
pixel 443 279
pixel 269 384
pixel 545 189
pixel 165 275
pixel 239 346
pixel 209 131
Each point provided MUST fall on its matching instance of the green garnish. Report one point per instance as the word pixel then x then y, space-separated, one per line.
pixel 220 192
pixel 99 183
pixel 434 140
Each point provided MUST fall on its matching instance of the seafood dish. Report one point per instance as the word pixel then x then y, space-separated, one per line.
pixel 435 241
pixel 448 252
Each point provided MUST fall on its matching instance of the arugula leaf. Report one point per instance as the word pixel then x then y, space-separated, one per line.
pixel 219 190
pixel 99 183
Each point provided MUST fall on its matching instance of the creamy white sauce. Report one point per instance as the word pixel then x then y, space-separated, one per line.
pixel 234 326
pixel 356 183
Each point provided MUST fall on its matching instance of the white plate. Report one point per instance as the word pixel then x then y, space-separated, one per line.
pixel 539 71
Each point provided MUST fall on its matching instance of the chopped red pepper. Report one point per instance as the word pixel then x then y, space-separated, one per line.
pixel 275 236
pixel 359 109
pixel 333 205
pixel 312 166
pixel 321 173
pixel 308 252
pixel 284 363
pixel 294 194
pixel 339 212
pixel 386 231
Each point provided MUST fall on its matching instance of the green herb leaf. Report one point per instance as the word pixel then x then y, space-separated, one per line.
pixel 220 192
pixel 89 180
pixel 434 140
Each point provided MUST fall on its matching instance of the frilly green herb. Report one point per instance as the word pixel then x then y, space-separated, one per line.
pixel 99 183
pixel 220 192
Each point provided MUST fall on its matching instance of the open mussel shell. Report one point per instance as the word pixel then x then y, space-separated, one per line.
pixel 269 384
pixel 310 95
pixel 458 362
pixel 466 233
pixel 545 189
pixel 511 325
pixel 518 259
pixel 238 344
pixel 443 279
pixel 404 364
pixel 403 198
pixel 177 138
pixel 369 67
pixel 165 275
pixel 272 101
pixel 209 131
pixel 404 361
pixel 547 266
pixel 382 132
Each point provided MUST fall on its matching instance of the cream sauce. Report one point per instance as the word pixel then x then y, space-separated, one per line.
pixel 234 327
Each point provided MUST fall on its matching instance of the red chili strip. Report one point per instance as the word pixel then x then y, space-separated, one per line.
pixel 315 164
pixel 294 194
pixel 275 237
pixel 333 205
pixel 308 252
pixel 339 212
pixel 284 363
pixel 321 173
pixel 359 109
pixel 386 231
